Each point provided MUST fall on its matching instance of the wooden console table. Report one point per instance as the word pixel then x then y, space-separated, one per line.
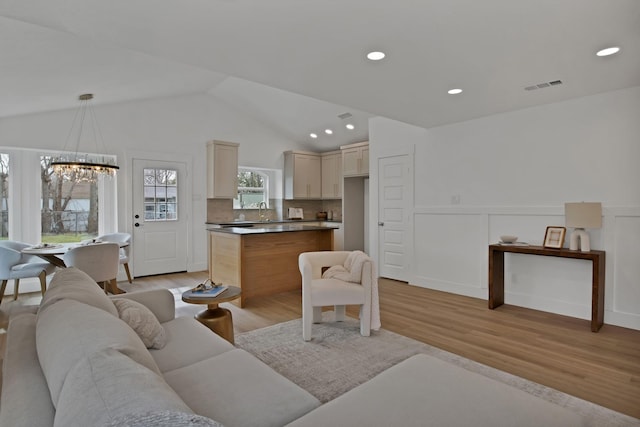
pixel 597 258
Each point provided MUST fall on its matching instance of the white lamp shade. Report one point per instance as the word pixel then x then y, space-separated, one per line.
pixel 583 215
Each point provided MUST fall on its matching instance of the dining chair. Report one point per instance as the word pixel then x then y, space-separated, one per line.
pixel 16 265
pixel 100 261
pixel 124 251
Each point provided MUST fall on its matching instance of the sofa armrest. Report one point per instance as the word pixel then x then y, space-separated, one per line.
pixel 160 301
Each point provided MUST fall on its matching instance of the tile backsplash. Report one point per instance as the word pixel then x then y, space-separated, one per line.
pixel 221 210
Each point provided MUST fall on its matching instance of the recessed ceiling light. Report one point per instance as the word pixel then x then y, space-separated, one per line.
pixel 349 126
pixel 608 51
pixel 328 131
pixel 313 135
pixel 454 91
pixel 375 56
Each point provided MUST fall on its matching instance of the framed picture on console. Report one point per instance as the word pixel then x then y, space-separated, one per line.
pixel 554 237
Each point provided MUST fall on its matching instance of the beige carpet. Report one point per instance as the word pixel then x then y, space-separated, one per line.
pixel 339 358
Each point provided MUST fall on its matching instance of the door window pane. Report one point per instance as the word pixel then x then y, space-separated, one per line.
pixel 160 195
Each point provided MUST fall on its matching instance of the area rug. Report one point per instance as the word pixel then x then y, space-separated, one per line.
pixel 338 359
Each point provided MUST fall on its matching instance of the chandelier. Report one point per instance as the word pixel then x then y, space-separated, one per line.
pixel 84 167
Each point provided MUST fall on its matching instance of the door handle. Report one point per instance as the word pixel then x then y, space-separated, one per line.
pixel 137 224
pixel 380 223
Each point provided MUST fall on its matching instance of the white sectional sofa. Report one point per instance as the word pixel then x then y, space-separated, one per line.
pixel 72 361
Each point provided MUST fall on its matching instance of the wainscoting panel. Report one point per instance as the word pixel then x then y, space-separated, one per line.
pixel 451 255
pixel 626 267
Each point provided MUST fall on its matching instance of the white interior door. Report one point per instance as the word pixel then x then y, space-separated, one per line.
pixel 160 217
pixel 395 199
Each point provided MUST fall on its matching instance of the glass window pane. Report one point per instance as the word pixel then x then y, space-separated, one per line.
pixel 161 194
pixel 149 177
pixel 161 176
pixel 172 178
pixel 172 211
pixel 69 206
pixel 160 187
pixel 149 194
pixel 149 211
pixel 4 196
pixel 172 194
pixel 252 189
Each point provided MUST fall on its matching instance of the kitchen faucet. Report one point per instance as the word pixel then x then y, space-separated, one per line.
pixel 261 215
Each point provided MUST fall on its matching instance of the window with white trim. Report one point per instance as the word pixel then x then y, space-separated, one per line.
pixel 253 189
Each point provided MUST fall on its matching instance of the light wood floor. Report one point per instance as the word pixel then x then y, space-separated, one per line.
pixel 557 351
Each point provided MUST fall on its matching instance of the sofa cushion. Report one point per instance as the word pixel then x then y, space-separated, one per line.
pixel 142 321
pixel 163 419
pixel 68 331
pixel 188 342
pixel 423 391
pixel 71 283
pixel 237 389
pixel 108 385
pixel 23 383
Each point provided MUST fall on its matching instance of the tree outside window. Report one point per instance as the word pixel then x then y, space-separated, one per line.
pixel 69 206
pixel 252 189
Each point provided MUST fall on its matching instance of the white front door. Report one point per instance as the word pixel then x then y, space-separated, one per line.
pixel 395 198
pixel 160 217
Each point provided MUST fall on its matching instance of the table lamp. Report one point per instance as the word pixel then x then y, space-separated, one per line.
pixel 580 216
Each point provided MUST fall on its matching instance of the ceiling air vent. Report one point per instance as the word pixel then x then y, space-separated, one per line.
pixel 344 116
pixel 544 85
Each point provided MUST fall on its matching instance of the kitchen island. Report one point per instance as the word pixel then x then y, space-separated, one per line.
pixel 263 260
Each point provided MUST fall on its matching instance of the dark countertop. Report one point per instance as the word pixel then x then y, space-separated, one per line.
pixel 284 228
pixel 278 221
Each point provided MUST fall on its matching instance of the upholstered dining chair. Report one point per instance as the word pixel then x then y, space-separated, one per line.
pixel 16 265
pixel 124 251
pixel 318 292
pixel 100 261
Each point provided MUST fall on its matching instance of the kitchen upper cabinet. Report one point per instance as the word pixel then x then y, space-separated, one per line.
pixel 302 175
pixel 222 170
pixel 332 175
pixel 355 159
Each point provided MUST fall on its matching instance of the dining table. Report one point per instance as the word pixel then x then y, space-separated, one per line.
pixel 54 252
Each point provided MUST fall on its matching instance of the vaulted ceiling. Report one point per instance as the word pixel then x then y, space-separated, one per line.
pixel 298 64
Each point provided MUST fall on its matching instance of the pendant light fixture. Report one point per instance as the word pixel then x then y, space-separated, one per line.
pixel 79 166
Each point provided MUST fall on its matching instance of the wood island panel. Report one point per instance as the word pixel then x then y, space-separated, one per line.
pixel 263 264
pixel 224 258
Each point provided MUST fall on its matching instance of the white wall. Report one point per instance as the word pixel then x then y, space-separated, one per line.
pixel 511 174
pixel 178 126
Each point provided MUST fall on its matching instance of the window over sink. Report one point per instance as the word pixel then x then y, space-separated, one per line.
pixel 253 189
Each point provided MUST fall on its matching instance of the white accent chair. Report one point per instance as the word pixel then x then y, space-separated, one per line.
pixel 16 265
pixel 100 261
pixel 124 251
pixel 318 292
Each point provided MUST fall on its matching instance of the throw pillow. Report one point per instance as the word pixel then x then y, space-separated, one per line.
pixel 107 385
pixel 163 419
pixel 142 321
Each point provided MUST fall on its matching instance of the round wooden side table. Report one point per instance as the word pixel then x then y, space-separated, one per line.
pixel 216 318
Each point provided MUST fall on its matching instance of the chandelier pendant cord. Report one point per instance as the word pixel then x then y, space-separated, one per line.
pixel 85 166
